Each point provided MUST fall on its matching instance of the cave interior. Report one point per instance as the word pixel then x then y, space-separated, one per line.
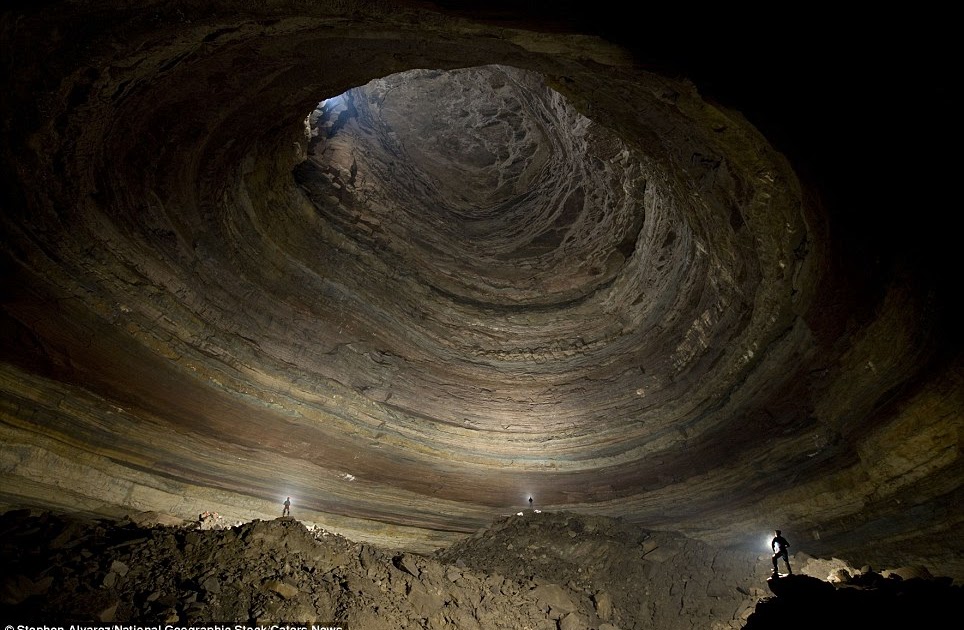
pixel 413 263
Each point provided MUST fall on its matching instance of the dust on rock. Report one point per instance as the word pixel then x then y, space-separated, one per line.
pixel 557 571
pixel 552 571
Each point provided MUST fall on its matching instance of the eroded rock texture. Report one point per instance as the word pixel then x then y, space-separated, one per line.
pixel 551 571
pixel 411 267
pixel 533 571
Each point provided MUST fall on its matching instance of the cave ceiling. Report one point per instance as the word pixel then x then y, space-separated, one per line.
pixel 411 264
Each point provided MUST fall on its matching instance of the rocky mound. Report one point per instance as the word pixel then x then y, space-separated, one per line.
pixel 264 571
pixel 619 573
pixel 542 571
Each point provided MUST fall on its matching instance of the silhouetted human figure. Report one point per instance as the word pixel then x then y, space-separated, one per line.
pixel 287 511
pixel 779 545
pixel 530 502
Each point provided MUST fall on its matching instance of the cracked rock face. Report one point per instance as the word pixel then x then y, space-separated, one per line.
pixel 411 268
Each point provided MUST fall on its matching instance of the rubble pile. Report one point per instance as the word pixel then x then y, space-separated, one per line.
pixel 536 571
pixel 627 576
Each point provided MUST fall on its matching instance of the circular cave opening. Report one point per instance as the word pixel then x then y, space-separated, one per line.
pixel 478 178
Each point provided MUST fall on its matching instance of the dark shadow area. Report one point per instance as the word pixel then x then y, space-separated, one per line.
pixel 868 600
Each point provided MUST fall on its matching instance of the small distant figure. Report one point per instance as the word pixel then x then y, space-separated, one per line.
pixel 530 502
pixel 779 545
pixel 287 512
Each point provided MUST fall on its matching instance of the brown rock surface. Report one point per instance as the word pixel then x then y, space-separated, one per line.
pixel 523 571
pixel 271 571
pixel 411 266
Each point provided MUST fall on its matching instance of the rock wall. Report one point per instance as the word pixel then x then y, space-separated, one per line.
pixel 523 261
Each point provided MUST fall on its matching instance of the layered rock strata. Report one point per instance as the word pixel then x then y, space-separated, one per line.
pixel 411 268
